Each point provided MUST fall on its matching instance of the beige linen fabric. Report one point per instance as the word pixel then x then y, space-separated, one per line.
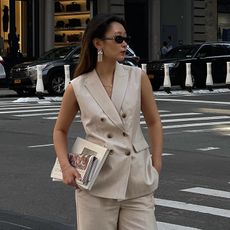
pixel 95 213
pixel 115 124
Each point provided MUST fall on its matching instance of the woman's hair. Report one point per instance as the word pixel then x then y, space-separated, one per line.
pixel 96 28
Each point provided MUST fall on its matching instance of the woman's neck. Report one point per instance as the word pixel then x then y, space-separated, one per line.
pixel 105 71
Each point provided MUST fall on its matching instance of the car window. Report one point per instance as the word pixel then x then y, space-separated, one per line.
pixel 76 53
pixel 57 53
pixel 204 51
pixel 182 52
pixel 211 50
pixel 218 50
pixel 227 48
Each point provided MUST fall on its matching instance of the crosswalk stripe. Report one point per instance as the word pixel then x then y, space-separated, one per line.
pixel 167 154
pixel 195 119
pixel 27 111
pixel 208 191
pixel 195 124
pixel 30 107
pixel 50 118
pixel 191 119
pixel 166 226
pixel 194 101
pixel 176 114
pixel 39 146
pixel 193 207
pixel 35 114
pixel 179 114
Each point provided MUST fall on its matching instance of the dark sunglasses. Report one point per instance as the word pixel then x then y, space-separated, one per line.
pixel 119 39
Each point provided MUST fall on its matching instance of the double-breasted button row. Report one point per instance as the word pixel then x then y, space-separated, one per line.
pixel 127 153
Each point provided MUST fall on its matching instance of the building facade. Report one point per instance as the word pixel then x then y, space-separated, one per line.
pixel 35 26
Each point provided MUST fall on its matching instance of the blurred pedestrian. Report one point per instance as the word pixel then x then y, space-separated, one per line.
pixel 164 49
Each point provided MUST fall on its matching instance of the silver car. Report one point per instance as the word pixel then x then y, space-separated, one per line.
pixel 2 70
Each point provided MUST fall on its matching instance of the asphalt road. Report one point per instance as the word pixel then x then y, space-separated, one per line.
pixel 194 191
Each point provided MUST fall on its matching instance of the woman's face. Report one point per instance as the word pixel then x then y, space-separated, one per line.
pixel 111 48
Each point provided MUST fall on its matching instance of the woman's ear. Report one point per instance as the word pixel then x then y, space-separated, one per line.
pixel 97 43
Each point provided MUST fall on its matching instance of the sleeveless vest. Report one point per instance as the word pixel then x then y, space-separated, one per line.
pixel 115 124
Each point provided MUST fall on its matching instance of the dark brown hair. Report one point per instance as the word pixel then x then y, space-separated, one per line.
pixel 96 28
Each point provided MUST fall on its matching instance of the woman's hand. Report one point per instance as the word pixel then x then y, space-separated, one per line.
pixel 70 175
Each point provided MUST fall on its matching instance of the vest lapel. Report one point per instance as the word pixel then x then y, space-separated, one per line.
pixel 120 84
pixel 96 89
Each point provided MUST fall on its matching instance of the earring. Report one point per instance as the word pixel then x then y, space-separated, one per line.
pixel 99 55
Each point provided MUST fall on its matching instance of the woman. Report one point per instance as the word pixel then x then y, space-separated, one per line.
pixel 110 97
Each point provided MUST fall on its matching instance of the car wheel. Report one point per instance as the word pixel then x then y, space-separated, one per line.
pixel 56 84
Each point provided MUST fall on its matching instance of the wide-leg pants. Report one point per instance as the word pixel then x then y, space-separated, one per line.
pixel 95 213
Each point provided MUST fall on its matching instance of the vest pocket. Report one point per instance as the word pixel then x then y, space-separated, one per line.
pixel 140 146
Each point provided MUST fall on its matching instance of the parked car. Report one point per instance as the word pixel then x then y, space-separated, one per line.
pixel 2 69
pixel 23 77
pixel 198 55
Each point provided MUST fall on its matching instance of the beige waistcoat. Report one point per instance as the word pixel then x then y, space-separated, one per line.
pixel 115 124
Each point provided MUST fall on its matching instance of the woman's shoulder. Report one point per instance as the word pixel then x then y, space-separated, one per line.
pixel 131 70
pixel 80 79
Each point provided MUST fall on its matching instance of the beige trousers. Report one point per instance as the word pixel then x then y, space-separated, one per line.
pixel 95 213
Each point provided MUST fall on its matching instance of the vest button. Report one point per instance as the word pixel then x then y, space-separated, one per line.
pixel 109 135
pixel 124 115
pixel 102 119
pixel 125 134
pixel 111 151
pixel 128 153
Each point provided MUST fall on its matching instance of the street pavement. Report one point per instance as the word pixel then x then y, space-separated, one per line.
pixel 194 192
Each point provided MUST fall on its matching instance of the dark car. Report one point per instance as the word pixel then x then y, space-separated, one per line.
pixel 198 55
pixel 23 77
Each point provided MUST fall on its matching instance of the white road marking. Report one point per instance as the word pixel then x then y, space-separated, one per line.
pixel 31 107
pixel 217 111
pixel 35 114
pixel 179 114
pixel 166 226
pixel 195 125
pixel 193 207
pixel 54 118
pixel 208 148
pixel 194 101
pixel 27 111
pixel 195 119
pixel 195 92
pixel 167 154
pixel 18 225
pixel 163 111
pixel 40 146
pixel 198 130
pixel 192 119
pixel 208 191
pixel 50 118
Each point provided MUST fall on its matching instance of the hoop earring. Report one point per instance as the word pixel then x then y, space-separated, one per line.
pixel 99 55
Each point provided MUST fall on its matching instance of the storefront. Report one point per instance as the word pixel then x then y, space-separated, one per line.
pixel 70 19
pixel 30 27
pixel 14 26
